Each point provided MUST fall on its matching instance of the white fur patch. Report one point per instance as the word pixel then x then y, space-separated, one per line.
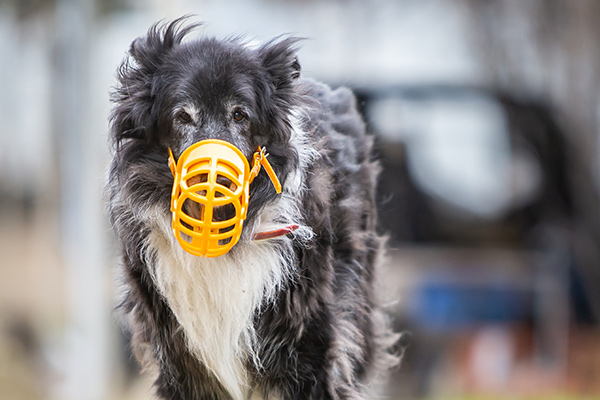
pixel 215 299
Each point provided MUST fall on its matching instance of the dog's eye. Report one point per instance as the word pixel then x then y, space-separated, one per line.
pixel 238 115
pixel 184 117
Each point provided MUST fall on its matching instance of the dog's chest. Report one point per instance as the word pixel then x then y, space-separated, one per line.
pixel 214 301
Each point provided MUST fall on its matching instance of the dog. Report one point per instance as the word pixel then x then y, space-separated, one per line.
pixel 294 315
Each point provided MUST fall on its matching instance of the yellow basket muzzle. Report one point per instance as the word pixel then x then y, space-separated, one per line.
pixel 209 201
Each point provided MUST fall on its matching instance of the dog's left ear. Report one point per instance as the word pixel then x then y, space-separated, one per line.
pixel 280 60
pixel 134 96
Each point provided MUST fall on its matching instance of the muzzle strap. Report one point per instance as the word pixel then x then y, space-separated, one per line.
pixel 260 159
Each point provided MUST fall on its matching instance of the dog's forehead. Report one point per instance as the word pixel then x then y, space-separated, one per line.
pixel 211 68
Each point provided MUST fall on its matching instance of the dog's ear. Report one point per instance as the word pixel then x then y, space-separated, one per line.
pixel 279 59
pixel 134 96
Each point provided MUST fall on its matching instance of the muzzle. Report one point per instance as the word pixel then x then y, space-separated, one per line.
pixel 209 201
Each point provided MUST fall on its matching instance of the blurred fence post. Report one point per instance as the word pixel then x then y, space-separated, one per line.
pixel 88 328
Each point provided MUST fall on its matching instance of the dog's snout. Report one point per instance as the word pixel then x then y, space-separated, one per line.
pixel 219 213
pixel 220 131
pixel 211 129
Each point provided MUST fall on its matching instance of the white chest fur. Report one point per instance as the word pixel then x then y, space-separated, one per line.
pixel 214 299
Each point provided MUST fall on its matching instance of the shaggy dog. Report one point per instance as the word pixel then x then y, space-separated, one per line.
pixel 291 317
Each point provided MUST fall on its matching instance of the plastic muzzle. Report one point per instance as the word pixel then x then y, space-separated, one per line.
pixel 209 201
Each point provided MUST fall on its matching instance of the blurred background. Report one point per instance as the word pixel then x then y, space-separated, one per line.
pixel 487 120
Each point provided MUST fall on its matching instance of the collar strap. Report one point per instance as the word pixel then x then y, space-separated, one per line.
pixel 275 233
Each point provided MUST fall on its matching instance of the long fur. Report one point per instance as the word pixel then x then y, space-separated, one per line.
pixel 294 317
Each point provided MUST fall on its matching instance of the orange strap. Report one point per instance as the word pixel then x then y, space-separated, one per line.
pixel 172 163
pixel 260 159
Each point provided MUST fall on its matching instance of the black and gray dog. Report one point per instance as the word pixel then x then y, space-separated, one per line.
pixel 292 317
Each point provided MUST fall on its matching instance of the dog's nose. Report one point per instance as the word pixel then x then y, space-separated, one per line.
pixel 220 213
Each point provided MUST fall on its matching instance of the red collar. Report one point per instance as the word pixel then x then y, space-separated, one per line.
pixel 275 233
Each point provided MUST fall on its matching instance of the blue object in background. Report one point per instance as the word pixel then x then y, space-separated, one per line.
pixel 448 306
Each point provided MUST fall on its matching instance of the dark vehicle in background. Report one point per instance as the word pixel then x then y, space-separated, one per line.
pixel 477 194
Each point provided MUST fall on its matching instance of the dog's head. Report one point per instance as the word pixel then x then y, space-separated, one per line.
pixel 173 93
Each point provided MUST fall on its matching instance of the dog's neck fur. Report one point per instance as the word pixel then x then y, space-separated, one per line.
pixel 215 299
